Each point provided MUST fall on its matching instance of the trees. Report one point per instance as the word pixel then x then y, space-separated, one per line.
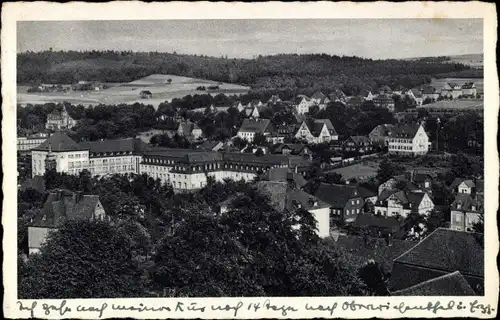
pixel 83 259
pixel 259 139
pixel 387 169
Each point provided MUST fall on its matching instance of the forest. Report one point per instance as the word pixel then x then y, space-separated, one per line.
pixel 288 74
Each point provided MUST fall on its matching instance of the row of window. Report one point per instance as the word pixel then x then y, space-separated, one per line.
pixel 77 155
pixel 111 161
pixel 347 212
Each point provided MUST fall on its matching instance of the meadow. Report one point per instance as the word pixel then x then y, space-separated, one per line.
pixel 162 90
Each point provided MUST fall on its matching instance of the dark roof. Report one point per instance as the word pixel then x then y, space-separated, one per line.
pixel 282 197
pixel 421 177
pixel 188 127
pixel 59 142
pixel 276 191
pixel 359 140
pixel 318 95
pixel 335 194
pixel 374 221
pixel 468 85
pixel 146 92
pixel 65 204
pixel 451 284
pixel 208 145
pixel 404 130
pixel 465 201
pixel 366 193
pixel 337 95
pixel 416 92
pixel 356 100
pixel 255 125
pixel 171 153
pixel 37 183
pixel 428 90
pixel 316 125
pixel 364 93
pixel 295 148
pixel 479 186
pixel 385 89
pixel 382 129
pixel 135 145
pixel 458 181
pixel 200 157
pixel 448 250
pixel 414 198
pixel 383 99
pixel 284 175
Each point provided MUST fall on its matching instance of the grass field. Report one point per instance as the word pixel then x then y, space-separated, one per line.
pixel 439 83
pixel 129 92
pixel 456 104
pixel 358 171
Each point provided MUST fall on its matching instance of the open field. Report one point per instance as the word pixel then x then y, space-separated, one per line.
pixel 473 60
pixel 358 171
pixel 439 83
pixel 455 104
pixel 129 92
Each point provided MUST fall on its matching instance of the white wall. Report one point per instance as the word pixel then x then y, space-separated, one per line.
pixel 322 217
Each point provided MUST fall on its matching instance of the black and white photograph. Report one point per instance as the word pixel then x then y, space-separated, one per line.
pixel 251 158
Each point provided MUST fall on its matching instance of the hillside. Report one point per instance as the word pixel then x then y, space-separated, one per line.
pixel 288 74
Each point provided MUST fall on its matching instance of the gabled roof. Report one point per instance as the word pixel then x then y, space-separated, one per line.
pixel 359 140
pixel 468 85
pixel 465 201
pixel 416 93
pixel 404 130
pixel 318 95
pixel 385 89
pixel 337 95
pixel 37 183
pixel 448 250
pixel 188 127
pixel 255 125
pixel 368 219
pixel 453 85
pixel 335 194
pixel 316 125
pixel 65 204
pixel 366 193
pixel 59 142
pixel 415 198
pixel 295 148
pixel 451 284
pixel 364 93
pixel 135 145
pixel 429 90
pixel 458 181
pixel 284 175
pixel 382 129
pixel 208 145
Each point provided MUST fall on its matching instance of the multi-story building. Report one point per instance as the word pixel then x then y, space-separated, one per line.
pixel 469 89
pixel 360 144
pixel 416 95
pixel 451 90
pixel 114 156
pixel 26 143
pixel 430 93
pixel 465 212
pixel 345 201
pixel 402 203
pixel 303 106
pixel 250 127
pixel 408 140
pixel 188 170
pixel 69 157
pixel 384 101
pixel 380 134
pixel 60 120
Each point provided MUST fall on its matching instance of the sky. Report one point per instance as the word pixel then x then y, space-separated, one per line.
pixel 369 38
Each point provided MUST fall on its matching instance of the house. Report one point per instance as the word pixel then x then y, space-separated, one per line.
pixel 367 95
pixel 392 203
pixel 451 90
pixel 338 96
pixel 61 153
pixel 250 127
pixel 380 134
pixel 443 252
pixel 385 90
pixel 189 130
pixel 451 284
pixel 369 197
pixel 469 89
pixel 274 100
pixel 114 156
pixel 303 106
pixel 361 144
pixel 416 95
pixel 355 101
pixel 317 97
pixel 238 106
pixel 461 185
pixel 59 120
pixel 210 145
pixel 465 212
pixel 408 140
pixel 297 149
pixel 399 90
pixel 345 201
pixel 393 182
pixel 252 112
pixel 384 101
pixel 145 94
pixel 422 180
pixel 430 93
pixel 384 225
pixel 291 199
pixel 288 175
pixel 26 143
pixel 316 131
pixel 61 205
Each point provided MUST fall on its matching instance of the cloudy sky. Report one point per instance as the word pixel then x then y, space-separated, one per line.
pixel 377 39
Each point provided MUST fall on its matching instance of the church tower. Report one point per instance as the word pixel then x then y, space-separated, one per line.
pixel 50 159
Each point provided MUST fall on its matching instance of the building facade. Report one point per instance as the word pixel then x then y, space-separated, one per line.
pixel 31 141
pixel 59 120
pixel 408 140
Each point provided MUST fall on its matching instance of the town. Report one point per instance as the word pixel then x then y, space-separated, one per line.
pixel 290 168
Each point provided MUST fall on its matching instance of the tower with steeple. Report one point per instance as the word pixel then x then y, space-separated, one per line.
pixel 50 158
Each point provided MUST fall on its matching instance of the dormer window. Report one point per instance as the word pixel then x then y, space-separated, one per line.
pixel 473 208
pixel 44 218
pixel 459 206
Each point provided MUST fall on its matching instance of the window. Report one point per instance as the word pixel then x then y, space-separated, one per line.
pixel 347 212
pixel 357 201
pixel 458 218
pixel 352 202
pixel 357 211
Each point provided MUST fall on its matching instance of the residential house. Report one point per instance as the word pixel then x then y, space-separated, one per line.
pixel 274 100
pixel 355 101
pixel 345 201
pixel 238 106
pixel 469 89
pixel 460 185
pixel 451 284
pixel 401 203
pixel 114 156
pixel 380 134
pixel 385 90
pixel 451 90
pixel 367 95
pixel 320 99
pixel 60 120
pixel 393 182
pixel 369 197
pixel 26 143
pixel 250 127
pixel 297 149
pixel 384 101
pixel 465 212
pixel 303 106
pixel 252 112
pixel 430 93
pixel 316 131
pixel 416 95
pixel 399 90
pixel 420 179
pixel 189 130
pixel 145 94
pixel 61 205
pixel 361 144
pixel 288 175
pixel 408 140
pixel 64 155
pixel 443 252
pixel 385 226
pixel 338 96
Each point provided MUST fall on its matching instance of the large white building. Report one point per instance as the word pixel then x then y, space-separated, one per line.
pixel 401 203
pixel 26 143
pixel 408 140
pixel 250 127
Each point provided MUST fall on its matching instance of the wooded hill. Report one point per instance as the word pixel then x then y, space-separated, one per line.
pixel 287 73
